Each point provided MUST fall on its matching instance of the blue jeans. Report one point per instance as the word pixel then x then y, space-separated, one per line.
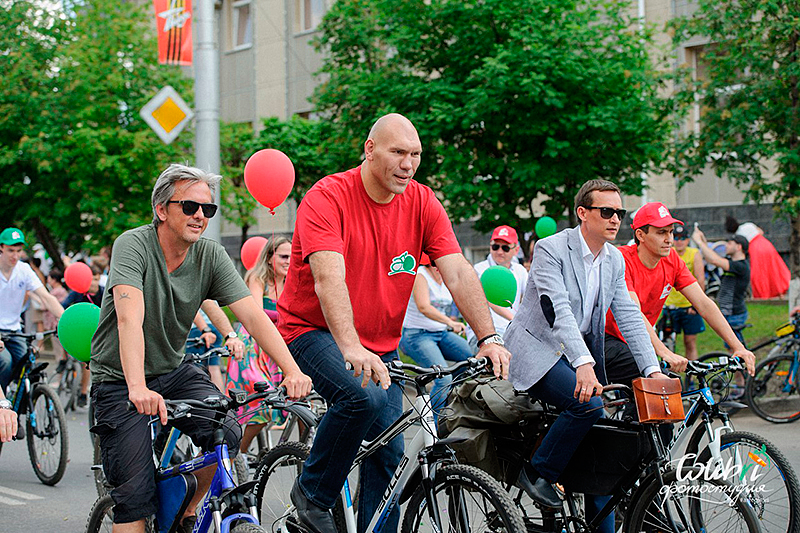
pixel 576 419
pixel 737 320
pixel 354 414
pixel 12 354
pixel 430 348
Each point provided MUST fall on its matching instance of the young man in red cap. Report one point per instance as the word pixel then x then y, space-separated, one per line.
pixel 652 270
pixel 503 247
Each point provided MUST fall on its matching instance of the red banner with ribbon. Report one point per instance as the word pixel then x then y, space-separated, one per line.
pixel 174 26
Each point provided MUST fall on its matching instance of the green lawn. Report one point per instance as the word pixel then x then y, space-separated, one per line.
pixel 764 316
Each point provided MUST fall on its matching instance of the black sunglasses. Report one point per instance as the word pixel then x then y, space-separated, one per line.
pixel 506 248
pixel 608 212
pixel 190 207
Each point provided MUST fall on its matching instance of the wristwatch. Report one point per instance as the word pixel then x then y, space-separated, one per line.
pixel 206 330
pixel 492 339
pixel 231 335
pixel 5 404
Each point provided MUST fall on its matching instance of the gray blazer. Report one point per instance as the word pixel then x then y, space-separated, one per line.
pixel 546 327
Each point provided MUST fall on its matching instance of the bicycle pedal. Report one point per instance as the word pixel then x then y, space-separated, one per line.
pixel 293 525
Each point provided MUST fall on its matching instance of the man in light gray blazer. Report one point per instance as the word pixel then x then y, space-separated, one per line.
pixel 556 338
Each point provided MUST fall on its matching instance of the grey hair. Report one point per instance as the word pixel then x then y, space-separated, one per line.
pixel 164 188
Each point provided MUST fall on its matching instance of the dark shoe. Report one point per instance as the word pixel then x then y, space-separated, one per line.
pixel 82 400
pixel 311 516
pixel 539 489
pixel 62 365
pixel 187 524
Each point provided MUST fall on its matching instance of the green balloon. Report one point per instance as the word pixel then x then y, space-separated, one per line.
pixel 545 227
pixel 76 328
pixel 499 285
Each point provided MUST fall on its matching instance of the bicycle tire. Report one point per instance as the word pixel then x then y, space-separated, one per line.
pixel 764 392
pixel 275 475
pixel 50 464
pixel 101 517
pixel 241 472
pixel 695 514
pixel 782 495
pixel 99 474
pixel 247 527
pixel 500 512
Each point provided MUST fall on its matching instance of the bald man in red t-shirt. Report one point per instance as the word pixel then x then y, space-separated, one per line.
pixel 358 239
pixel 652 270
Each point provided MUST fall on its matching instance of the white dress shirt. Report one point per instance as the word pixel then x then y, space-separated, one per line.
pixel 591 268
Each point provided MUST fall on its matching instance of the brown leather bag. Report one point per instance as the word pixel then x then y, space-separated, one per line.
pixel 658 399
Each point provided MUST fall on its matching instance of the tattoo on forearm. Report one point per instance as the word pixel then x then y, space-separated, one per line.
pixel 124 295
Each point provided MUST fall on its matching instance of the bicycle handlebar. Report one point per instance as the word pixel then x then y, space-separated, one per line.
pixel 398 369
pixel 39 335
pixel 698 368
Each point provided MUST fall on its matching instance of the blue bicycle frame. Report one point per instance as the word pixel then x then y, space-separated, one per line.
pixel 176 488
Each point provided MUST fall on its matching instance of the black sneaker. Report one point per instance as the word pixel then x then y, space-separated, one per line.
pixel 82 400
pixel 62 365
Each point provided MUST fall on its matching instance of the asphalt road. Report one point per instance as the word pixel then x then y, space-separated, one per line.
pixel 26 505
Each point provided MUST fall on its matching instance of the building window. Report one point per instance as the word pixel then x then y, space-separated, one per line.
pixel 308 14
pixel 242 24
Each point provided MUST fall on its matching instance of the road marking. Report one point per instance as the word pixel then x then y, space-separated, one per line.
pixel 17 494
pixel 9 501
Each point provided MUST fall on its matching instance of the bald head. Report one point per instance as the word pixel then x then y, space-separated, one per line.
pixel 391 125
pixel 391 157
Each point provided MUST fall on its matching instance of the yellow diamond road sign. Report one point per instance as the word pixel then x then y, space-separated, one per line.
pixel 167 114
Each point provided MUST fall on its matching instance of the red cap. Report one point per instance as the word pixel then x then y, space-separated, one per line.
pixel 653 214
pixel 505 233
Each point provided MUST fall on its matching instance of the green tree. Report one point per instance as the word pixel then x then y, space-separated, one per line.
pixel 77 161
pixel 750 103
pixel 515 102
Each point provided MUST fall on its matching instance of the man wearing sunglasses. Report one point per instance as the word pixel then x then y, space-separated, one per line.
pixel 503 247
pixel 160 274
pixel 652 270
pixel 556 338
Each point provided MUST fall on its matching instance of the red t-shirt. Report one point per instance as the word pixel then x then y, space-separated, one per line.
pixel 381 245
pixel 651 285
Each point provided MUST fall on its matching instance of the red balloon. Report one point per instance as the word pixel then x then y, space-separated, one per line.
pixel 269 176
pixel 78 277
pixel 251 249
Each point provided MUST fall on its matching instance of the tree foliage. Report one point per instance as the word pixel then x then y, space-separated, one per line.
pixel 749 100
pixel 514 101
pixel 77 161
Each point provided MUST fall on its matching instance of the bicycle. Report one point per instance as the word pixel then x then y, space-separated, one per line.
pixel 773 392
pixel 68 384
pixel 227 507
pixel 442 495
pixel 783 339
pixel 622 459
pixel 172 446
pixel 778 507
pixel 46 423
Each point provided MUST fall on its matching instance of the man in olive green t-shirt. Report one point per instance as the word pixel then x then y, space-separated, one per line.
pixel 159 275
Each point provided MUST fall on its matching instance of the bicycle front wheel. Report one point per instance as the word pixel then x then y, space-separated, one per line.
pixel 775 493
pixel 101 517
pixel 47 435
pixel 688 503
pixel 773 393
pixel 275 474
pixel 467 500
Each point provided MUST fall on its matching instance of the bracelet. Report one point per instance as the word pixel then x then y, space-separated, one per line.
pixel 487 337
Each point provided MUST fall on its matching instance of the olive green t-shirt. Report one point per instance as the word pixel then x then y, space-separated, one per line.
pixel 171 300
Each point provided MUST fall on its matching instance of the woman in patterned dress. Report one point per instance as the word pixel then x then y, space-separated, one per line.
pixel 265 280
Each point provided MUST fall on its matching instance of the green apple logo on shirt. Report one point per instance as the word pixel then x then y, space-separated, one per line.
pixel 403 264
